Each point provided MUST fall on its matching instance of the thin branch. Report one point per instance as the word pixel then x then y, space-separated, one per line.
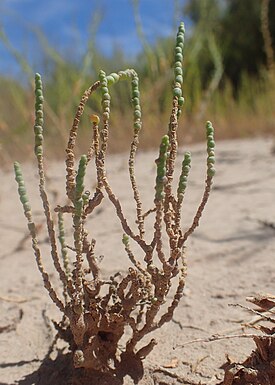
pixel 265 317
pixel 198 215
pixel 217 337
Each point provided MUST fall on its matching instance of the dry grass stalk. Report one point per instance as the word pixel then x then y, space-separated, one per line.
pixel 95 322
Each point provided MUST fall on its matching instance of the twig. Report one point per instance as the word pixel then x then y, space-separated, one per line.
pixel 217 337
pixel 254 311
pixel 14 299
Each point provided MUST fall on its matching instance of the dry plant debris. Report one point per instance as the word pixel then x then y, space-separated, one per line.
pixel 94 319
pixel 259 367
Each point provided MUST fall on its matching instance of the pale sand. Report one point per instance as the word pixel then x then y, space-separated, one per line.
pixel 230 257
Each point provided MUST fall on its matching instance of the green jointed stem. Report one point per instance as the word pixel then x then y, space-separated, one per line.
pixel 136 102
pixel 64 251
pixel 38 125
pixel 210 149
pixel 161 168
pixel 126 74
pixel 185 168
pixel 178 101
pixel 27 211
pixel 38 149
pixel 79 188
pixel 78 228
pixel 179 55
pixel 22 190
pixel 178 72
pixel 105 102
pixel 105 95
pixel 112 78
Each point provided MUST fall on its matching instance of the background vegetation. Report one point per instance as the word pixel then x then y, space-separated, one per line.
pixel 229 62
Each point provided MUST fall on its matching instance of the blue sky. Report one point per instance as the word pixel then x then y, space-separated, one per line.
pixel 66 25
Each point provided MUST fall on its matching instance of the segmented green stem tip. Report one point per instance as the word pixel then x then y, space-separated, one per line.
pixel 185 168
pixel 161 168
pixel 105 95
pixel 136 102
pixel 62 240
pixel 39 118
pixel 79 188
pixel 22 190
pixel 178 58
pixel 210 149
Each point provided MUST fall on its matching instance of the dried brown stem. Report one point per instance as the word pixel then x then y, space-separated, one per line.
pixel 88 248
pixel 157 239
pixel 70 158
pixel 162 285
pixel 198 215
pixel 66 282
pixel 78 272
pixel 122 218
pixel 94 202
pixel 172 134
pixel 134 260
pixel 140 217
pixel 45 276
pixel 149 212
pixel 64 209
pixel 167 317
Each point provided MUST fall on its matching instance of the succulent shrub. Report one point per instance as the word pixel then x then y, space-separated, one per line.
pixel 94 320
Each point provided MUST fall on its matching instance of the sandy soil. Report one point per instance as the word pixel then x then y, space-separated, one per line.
pixel 230 256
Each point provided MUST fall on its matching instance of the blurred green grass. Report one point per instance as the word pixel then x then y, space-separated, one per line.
pixel 237 108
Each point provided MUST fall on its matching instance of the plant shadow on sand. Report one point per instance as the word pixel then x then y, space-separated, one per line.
pixel 57 371
pixel 60 371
